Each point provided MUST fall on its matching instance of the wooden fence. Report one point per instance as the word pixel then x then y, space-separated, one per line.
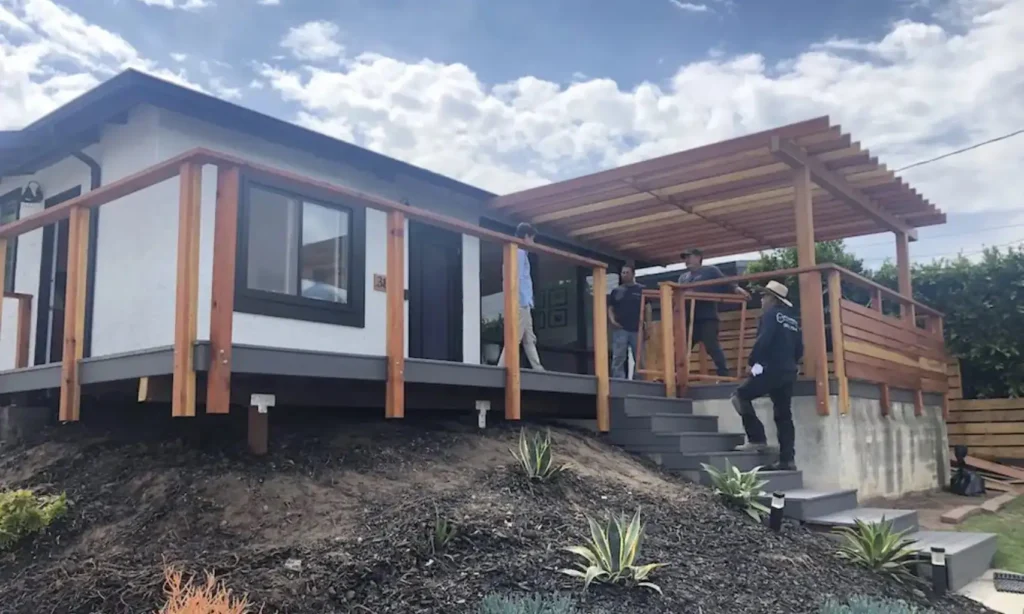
pixel 991 428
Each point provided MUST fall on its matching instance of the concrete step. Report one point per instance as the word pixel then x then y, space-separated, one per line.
pixel 638 405
pixel 902 520
pixel 968 555
pixel 663 423
pixel 777 480
pixel 804 503
pixel 744 461
pixel 684 442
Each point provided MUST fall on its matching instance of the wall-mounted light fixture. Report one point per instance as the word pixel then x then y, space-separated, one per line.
pixel 32 193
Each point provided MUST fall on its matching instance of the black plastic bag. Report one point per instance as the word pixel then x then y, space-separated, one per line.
pixel 965 482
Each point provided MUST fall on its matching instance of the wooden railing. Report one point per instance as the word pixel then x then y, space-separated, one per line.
pixel 904 350
pixel 23 321
pixel 676 334
pixel 188 168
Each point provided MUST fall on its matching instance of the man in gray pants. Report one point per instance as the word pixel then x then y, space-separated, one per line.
pixel 528 338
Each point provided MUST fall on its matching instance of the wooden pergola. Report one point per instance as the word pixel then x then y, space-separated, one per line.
pixel 789 186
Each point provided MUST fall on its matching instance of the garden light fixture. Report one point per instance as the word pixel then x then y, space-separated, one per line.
pixel 940 579
pixel 777 511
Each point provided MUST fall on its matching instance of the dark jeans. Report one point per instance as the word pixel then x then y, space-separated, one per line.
pixel 780 389
pixel 706 332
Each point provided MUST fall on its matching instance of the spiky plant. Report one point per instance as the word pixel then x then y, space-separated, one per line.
pixel 876 546
pixel 442 533
pixel 534 456
pixel 739 489
pixel 610 554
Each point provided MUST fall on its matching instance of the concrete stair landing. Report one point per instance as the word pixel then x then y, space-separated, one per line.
pixel 666 431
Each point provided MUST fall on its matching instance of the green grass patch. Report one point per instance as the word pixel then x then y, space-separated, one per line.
pixel 1008 524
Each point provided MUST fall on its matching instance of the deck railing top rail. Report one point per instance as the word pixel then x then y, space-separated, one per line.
pixel 846 274
pixel 170 168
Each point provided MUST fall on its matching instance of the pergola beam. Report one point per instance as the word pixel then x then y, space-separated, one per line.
pixel 788 152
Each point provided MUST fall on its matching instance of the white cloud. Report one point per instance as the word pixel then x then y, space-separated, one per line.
pixel 179 57
pixel 269 2
pixel 314 40
pixel 59 56
pixel 185 5
pixel 919 90
pixel 690 7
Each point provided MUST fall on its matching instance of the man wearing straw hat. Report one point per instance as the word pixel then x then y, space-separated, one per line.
pixel 773 365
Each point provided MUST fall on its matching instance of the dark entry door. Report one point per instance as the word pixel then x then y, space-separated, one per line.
pixel 53 278
pixel 435 293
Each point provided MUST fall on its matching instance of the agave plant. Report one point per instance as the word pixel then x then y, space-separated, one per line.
pixel 610 554
pixel 876 546
pixel 442 534
pixel 739 489
pixel 534 456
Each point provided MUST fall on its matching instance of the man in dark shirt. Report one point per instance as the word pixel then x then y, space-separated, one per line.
pixel 705 316
pixel 773 363
pixel 624 316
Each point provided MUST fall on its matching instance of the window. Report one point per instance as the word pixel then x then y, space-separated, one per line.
pixel 10 208
pixel 300 257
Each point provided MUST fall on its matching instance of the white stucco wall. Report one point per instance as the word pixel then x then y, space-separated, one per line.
pixel 137 242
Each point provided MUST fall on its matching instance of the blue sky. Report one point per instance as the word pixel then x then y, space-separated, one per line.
pixel 506 95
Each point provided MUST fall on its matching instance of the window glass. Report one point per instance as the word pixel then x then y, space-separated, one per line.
pixel 324 253
pixel 273 242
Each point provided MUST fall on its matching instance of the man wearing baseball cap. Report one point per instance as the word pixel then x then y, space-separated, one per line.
pixel 705 314
pixel 773 363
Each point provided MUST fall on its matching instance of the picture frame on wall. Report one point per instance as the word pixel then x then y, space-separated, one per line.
pixel 558 318
pixel 559 297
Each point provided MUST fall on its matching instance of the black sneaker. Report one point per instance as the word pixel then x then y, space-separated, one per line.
pixel 781 466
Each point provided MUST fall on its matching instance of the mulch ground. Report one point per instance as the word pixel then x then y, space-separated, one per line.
pixel 336 522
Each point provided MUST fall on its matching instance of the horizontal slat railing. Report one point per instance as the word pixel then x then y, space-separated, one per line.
pixel 903 347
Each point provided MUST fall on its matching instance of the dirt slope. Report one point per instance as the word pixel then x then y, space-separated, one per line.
pixel 335 523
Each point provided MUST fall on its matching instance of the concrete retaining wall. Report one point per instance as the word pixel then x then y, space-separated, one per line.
pixel 880 456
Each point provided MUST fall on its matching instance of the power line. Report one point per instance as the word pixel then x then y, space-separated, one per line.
pixel 960 151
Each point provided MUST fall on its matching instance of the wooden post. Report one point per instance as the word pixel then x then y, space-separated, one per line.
pixel 812 314
pixel 903 277
pixel 510 286
pixel 918 402
pixel 743 334
pixel 668 340
pixel 74 314
pixel 395 288
pixel 878 301
pixel 835 300
pixel 186 306
pixel 258 431
pixel 601 348
pixel 681 342
pixel 24 330
pixel 222 303
pixel 885 401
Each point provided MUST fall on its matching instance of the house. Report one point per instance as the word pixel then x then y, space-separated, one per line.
pixel 185 249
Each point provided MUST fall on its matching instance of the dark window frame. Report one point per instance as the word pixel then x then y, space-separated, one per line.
pixel 11 198
pixel 296 307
